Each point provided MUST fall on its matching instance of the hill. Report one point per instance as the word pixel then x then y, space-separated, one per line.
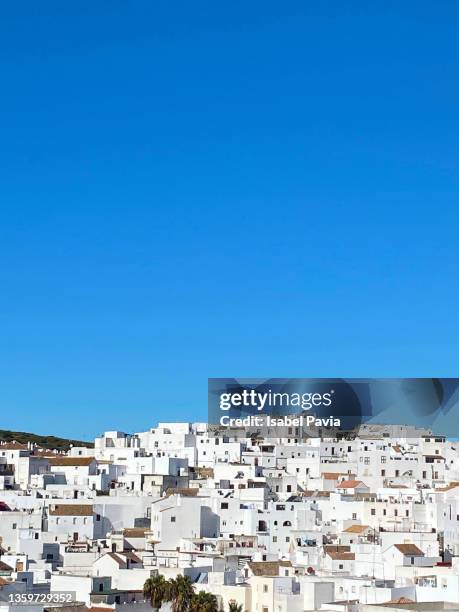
pixel 48 442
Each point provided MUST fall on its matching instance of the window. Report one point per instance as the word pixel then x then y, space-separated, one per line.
pixel 366 460
pixel 354 516
pixel 274 539
pixel 265 588
pixel 224 506
pixel 383 472
pixel 383 458
pixel 341 566
pixel 173 518
pixel 373 512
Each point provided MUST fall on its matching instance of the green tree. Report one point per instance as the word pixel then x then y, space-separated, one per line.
pixel 234 607
pixel 155 589
pixel 204 602
pixel 180 592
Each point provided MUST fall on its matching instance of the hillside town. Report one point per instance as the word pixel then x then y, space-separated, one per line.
pixel 178 518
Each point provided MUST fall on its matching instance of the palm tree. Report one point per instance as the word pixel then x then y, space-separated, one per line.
pixel 204 602
pixel 234 607
pixel 180 592
pixel 155 589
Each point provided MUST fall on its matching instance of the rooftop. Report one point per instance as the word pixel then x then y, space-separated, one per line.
pixel 71 510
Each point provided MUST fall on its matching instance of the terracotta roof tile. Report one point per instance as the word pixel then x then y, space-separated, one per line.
pixel 268 568
pixel 4 567
pixel 135 532
pixel 337 548
pixel 71 510
pixel 451 485
pixel 356 529
pixel 117 558
pixel 341 556
pixel 13 446
pixel 349 484
pixel 70 461
pixel 409 549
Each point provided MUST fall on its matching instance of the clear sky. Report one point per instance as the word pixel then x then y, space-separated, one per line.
pixel 221 189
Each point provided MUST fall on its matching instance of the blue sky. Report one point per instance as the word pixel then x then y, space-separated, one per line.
pixel 221 189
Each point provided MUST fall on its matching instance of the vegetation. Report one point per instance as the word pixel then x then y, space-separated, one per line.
pixel 155 589
pixel 204 602
pixel 180 593
pixel 234 607
pixel 48 442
